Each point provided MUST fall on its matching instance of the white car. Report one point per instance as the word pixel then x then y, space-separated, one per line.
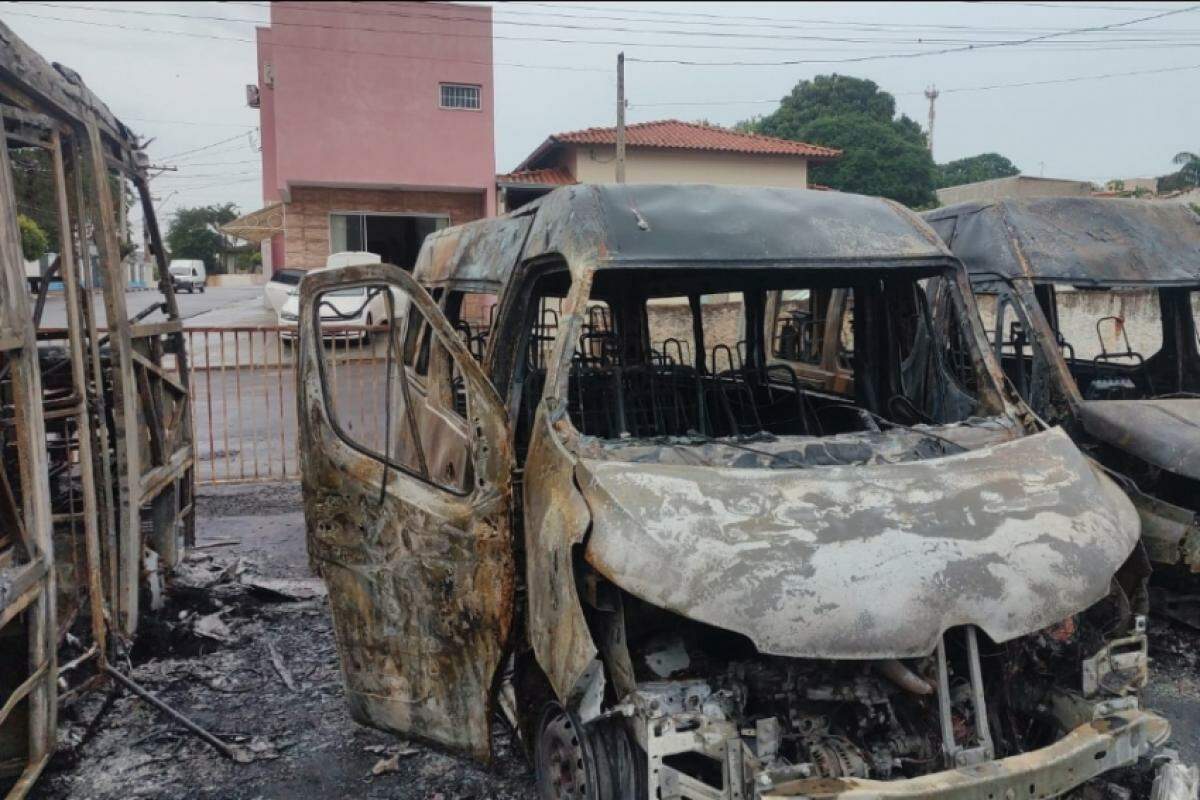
pixel 346 313
pixel 275 292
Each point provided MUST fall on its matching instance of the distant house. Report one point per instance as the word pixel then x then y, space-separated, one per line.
pixel 372 136
pixel 1014 187
pixel 668 151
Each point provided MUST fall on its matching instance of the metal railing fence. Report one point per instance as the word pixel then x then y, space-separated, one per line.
pixel 244 395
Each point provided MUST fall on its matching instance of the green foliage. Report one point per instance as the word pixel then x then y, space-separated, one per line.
pixel 34 242
pixel 1115 185
pixel 192 233
pixel 33 187
pixel 882 154
pixel 1195 207
pixel 983 167
pixel 1186 177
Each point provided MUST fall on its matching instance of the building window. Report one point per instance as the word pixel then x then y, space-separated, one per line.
pixel 395 238
pixel 460 95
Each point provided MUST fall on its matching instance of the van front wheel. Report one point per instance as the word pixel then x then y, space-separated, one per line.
pixel 597 761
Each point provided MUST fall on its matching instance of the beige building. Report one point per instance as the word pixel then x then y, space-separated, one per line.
pixel 668 151
pixel 1014 186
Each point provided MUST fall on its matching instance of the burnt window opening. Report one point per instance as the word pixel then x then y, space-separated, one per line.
pixel 472 315
pixel 392 391
pixel 542 313
pixel 1117 343
pixel 644 369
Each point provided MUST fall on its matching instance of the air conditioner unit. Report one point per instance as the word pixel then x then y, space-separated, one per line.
pixel 252 97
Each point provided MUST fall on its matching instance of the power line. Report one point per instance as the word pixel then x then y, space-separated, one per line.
pixel 221 163
pixel 204 147
pixel 589 28
pixel 222 183
pixel 1079 5
pixel 501 37
pixel 957 90
pixel 187 122
pixel 574 68
pixel 944 51
pixel 556 67
pixel 552 40
pixel 775 22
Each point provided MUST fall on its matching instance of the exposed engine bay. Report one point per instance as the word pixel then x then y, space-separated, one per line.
pixel 715 718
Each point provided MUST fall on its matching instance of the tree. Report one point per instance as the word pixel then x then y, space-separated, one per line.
pixel 1189 168
pixel 193 233
pixel 33 189
pixel 983 167
pixel 34 242
pixel 882 154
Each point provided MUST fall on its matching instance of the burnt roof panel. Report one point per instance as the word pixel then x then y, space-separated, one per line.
pixel 1080 240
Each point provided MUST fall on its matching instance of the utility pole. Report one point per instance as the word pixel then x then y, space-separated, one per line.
pixel 931 93
pixel 147 257
pixel 620 117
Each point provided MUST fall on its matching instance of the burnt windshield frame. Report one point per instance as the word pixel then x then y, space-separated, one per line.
pixel 669 279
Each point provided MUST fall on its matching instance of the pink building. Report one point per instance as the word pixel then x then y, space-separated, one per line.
pixel 376 127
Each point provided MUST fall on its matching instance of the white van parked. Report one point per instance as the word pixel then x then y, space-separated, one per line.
pixel 187 273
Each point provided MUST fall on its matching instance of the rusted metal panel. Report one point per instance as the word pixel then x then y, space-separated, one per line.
pixel 1079 240
pixel 1084 753
pixel 1163 432
pixel 1010 538
pixel 421 580
pixel 479 255
pixel 556 521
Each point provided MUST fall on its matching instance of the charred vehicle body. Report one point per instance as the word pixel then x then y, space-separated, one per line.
pixel 1090 305
pixel 599 485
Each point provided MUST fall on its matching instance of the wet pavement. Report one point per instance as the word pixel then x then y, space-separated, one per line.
pixel 216 307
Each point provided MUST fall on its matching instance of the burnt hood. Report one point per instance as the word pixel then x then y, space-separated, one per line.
pixel 1164 433
pixel 864 562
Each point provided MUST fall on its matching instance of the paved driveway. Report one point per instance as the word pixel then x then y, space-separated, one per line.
pixel 216 307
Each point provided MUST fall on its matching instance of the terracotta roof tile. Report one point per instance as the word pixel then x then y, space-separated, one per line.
pixel 673 134
pixel 538 177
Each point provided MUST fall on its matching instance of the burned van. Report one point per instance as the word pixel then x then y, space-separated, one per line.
pixel 586 482
pixel 1090 307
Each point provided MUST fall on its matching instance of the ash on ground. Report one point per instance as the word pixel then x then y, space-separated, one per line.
pixel 245 648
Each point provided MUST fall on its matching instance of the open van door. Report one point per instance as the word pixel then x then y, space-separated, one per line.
pixel 407 507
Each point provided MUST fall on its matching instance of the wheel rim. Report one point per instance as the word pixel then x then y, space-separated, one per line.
pixel 562 758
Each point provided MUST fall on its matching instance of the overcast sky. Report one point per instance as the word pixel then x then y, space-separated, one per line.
pixel 186 88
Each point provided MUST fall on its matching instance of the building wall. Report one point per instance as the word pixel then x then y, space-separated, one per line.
pixel 306 241
pixel 1016 186
pixel 597 164
pixel 347 106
